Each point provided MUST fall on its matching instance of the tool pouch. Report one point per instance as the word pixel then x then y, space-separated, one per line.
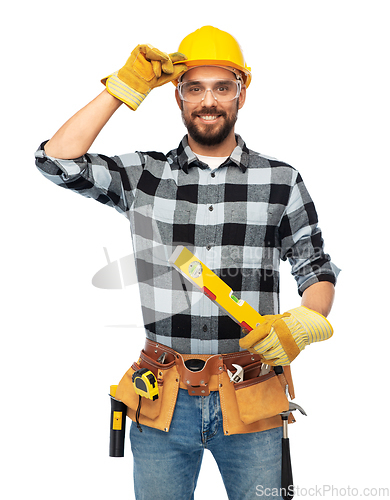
pixel 254 404
pixel 158 413
pixel 261 397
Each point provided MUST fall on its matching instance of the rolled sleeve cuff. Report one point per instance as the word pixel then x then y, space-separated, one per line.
pixel 330 275
pixel 68 168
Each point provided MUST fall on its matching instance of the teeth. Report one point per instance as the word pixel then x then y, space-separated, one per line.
pixel 208 117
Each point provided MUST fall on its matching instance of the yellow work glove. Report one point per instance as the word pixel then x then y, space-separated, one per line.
pixel 145 69
pixel 282 337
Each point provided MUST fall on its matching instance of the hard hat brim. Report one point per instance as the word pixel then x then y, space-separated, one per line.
pixel 246 71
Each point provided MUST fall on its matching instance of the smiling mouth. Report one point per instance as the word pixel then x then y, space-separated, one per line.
pixel 208 118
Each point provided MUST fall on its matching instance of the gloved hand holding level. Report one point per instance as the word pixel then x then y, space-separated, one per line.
pixel 282 337
pixel 145 69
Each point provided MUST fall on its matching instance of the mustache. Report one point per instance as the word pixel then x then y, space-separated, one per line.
pixel 209 111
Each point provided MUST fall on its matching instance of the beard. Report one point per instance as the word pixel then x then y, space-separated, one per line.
pixel 209 135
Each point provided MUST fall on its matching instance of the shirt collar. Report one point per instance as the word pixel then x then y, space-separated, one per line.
pixel 186 158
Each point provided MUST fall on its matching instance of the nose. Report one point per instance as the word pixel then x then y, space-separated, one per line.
pixel 209 99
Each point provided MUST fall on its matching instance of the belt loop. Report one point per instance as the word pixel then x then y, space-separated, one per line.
pixel 282 378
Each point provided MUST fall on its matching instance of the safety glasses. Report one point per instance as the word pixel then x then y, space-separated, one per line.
pixel 222 90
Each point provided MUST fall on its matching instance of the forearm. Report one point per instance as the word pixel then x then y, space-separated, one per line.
pixel 76 136
pixel 319 297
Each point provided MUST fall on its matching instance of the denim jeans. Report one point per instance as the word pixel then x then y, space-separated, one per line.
pixel 167 464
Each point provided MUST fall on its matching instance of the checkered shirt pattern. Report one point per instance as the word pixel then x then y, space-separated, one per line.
pixel 240 220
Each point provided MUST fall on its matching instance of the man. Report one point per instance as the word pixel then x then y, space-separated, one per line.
pixel 240 213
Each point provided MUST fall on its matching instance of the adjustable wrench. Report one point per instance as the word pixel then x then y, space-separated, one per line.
pixel 238 376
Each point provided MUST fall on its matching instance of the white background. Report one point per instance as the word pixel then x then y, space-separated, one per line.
pixel 319 100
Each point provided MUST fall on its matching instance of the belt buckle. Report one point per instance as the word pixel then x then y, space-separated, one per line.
pixel 196 365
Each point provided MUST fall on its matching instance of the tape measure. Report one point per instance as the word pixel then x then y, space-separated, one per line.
pixel 145 384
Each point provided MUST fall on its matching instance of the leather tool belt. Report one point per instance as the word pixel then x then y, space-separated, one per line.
pixel 251 405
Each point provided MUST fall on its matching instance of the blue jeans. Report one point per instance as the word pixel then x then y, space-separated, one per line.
pixel 167 464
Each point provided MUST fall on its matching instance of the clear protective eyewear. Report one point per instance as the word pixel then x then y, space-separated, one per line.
pixel 222 90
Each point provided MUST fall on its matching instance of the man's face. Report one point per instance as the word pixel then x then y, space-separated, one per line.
pixel 209 122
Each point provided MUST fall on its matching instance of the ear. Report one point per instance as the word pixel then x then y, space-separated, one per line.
pixel 178 100
pixel 242 97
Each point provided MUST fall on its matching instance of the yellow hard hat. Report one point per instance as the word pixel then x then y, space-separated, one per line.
pixel 209 46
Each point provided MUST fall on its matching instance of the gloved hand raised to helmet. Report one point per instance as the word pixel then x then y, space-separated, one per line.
pixel 145 69
pixel 282 337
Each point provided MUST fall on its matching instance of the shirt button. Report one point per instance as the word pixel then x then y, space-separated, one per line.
pixel 211 208
pixel 205 328
pixel 212 174
pixel 208 247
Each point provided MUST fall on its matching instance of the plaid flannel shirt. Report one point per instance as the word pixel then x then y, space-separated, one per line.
pixel 240 220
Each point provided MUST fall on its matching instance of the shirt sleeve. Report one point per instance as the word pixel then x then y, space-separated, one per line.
pixel 109 180
pixel 301 240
